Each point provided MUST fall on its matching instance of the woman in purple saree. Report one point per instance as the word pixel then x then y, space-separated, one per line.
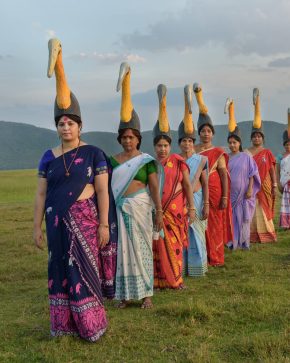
pixel 245 183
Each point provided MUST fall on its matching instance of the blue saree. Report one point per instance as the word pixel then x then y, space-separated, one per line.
pixel 79 273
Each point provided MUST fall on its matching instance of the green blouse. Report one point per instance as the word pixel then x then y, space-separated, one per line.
pixel 143 172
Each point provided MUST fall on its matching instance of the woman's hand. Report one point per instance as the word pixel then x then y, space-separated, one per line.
pixel 205 211
pixel 249 193
pixel 158 221
pixel 38 237
pixel 103 235
pixel 223 203
pixel 274 190
pixel 191 215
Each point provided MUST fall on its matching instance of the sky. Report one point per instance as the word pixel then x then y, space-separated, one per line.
pixel 228 46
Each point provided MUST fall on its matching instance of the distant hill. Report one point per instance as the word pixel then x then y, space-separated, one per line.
pixel 22 145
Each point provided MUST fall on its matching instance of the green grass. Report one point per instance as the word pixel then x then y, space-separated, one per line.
pixel 238 313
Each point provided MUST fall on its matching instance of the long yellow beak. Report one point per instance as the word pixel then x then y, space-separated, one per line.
pixel 54 47
pixel 124 69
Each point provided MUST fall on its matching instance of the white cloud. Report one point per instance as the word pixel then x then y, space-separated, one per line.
pixel 110 58
pixel 50 33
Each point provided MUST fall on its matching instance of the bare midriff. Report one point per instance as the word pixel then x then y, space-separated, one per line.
pixel 88 191
pixel 134 186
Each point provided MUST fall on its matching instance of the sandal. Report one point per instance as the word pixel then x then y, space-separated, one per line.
pixel 147 303
pixel 122 304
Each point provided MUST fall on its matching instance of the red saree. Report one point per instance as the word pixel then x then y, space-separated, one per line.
pixel 220 227
pixel 168 249
pixel 262 227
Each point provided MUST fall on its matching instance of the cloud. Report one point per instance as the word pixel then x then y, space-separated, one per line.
pixel 280 63
pixel 243 27
pixel 110 58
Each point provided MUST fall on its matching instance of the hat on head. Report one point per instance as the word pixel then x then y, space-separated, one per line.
pixel 286 133
pixel 162 127
pixel 186 127
pixel 203 118
pixel 232 123
pixel 257 122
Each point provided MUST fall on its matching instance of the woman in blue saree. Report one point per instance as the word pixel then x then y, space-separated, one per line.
pixel 195 255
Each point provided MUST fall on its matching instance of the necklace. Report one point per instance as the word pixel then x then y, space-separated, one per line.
pixel 64 162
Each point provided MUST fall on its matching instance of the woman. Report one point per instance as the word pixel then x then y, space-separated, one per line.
pixel 262 226
pixel 219 231
pixel 168 245
pixel 73 194
pixel 283 174
pixel 133 173
pixel 80 218
pixel 245 183
pixel 195 256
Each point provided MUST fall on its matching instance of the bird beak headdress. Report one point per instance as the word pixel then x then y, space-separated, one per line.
pixel 162 125
pixel 203 118
pixel 65 102
pixel 286 133
pixel 186 127
pixel 257 122
pixel 232 123
pixel 128 116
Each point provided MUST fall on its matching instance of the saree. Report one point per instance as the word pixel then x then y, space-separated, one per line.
pixel 195 256
pixel 262 226
pixel 78 272
pixel 134 274
pixel 220 228
pixel 285 200
pixel 168 247
pixel 242 167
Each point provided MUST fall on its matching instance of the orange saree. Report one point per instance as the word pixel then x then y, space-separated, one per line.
pixel 168 249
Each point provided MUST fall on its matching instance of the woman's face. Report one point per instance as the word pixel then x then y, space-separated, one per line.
pixel 129 141
pixel 234 145
pixel 162 149
pixel 287 147
pixel 187 145
pixel 257 139
pixel 67 129
pixel 206 135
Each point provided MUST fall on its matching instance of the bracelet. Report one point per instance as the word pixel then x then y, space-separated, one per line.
pixel 224 197
pixel 159 210
pixel 205 202
pixel 275 184
pixel 103 225
pixel 192 209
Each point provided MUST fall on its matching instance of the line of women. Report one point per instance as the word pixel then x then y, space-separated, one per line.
pixel 119 227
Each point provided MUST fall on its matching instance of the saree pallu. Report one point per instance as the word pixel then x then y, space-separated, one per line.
pixel 134 275
pixel 285 200
pixel 195 256
pixel 168 249
pixel 75 265
pixel 219 228
pixel 242 167
pixel 262 226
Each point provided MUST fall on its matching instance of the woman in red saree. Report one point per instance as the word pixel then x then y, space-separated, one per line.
pixel 176 191
pixel 262 226
pixel 220 228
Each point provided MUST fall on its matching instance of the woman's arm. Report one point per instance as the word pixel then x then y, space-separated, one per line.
pixel 273 179
pixel 204 184
pixel 225 186
pixel 278 178
pixel 186 185
pixel 154 191
pixel 101 189
pixel 39 212
pixel 250 188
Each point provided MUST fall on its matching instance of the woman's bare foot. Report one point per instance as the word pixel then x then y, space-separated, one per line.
pixel 147 303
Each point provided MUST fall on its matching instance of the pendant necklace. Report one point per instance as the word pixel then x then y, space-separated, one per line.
pixel 67 173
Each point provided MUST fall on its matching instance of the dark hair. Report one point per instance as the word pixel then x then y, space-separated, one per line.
pixel 257 132
pixel 237 138
pixel 135 132
pixel 161 137
pixel 192 138
pixel 209 125
pixel 75 118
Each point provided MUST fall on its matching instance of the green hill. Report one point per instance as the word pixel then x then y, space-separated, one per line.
pixel 21 145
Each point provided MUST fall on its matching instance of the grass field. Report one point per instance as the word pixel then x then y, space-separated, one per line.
pixel 237 313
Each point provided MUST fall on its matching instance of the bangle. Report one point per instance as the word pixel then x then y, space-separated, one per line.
pixel 224 197
pixel 275 184
pixel 159 210
pixel 191 208
pixel 205 202
pixel 104 225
